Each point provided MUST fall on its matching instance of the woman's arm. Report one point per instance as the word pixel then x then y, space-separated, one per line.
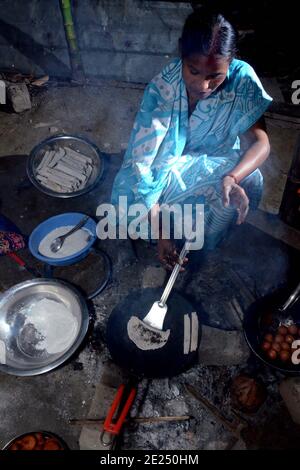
pixel 256 154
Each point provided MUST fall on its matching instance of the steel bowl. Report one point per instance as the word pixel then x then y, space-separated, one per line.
pixel 80 144
pixel 45 434
pixel 19 351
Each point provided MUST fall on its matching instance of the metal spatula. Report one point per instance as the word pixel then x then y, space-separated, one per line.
pixel 154 320
pixel 156 315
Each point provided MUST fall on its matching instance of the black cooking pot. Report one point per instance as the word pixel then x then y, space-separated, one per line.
pixel 262 318
pixel 175 356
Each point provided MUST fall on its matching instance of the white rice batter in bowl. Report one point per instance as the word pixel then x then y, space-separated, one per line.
pixel 42 323
pixel 75 246
pixel 72 244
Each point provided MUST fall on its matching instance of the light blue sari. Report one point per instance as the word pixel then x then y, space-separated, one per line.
pixel 172 157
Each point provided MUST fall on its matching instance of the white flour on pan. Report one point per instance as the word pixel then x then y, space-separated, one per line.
pixel 74 243
pixel 54 324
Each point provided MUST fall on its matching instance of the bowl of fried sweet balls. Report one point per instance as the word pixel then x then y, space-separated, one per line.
pixel 274 336
pixel 283 344
pixel 40 440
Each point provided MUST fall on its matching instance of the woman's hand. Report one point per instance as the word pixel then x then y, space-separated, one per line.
pixel 167 254
pixel 235 196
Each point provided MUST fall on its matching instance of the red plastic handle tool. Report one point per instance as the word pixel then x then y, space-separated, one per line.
pixel 17 259
pixel 22 263
pixel 114 428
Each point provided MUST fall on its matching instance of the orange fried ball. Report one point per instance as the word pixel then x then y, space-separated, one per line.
pixel 289 339
pixel 15 446
pixel 268 338
pixel 276 347
pixel 282 330
pixel 293 330
pixel 272 354
pixel 266 345
pixel 284 355
pixel 279 339
pixel 52 444
pixel 27 442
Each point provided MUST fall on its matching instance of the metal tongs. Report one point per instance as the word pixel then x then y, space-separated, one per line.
pixel 282 317
pixel 292 299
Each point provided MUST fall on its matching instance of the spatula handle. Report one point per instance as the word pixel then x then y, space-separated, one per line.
pixel 174 275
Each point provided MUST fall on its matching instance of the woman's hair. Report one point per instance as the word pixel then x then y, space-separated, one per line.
pixel 208 33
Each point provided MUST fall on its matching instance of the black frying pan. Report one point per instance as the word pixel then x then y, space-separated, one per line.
pixel 167 361
pixel 261 318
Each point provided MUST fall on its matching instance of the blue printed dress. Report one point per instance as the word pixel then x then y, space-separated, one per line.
pixel 173 158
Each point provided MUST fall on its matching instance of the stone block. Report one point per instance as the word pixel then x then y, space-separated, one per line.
pixel 111 378
pixel 222 348
pixel 19 96
pixel 90 438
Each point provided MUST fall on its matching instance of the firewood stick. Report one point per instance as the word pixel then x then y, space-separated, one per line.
pixel 141 420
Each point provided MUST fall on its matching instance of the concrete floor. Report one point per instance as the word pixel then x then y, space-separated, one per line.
pixel 105 115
